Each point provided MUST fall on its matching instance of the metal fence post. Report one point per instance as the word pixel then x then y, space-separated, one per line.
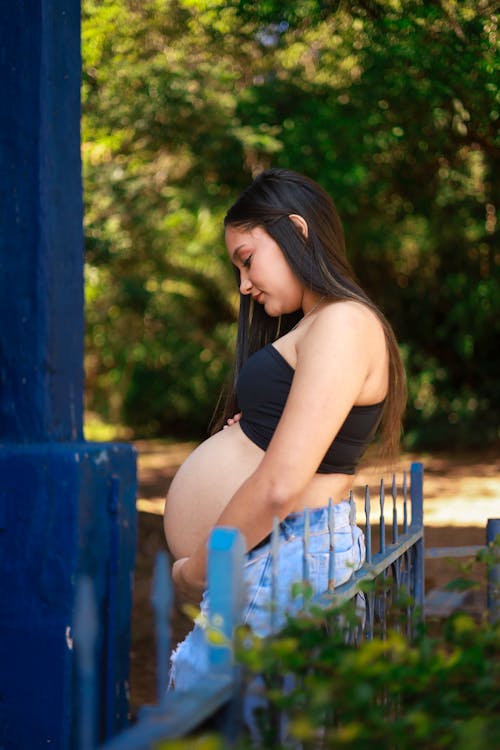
pixel 162 597
pixel 417 521
pixel 493 590
pixel 226 550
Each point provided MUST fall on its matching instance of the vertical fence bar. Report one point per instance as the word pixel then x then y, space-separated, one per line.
pixel 274 614
pixel 394 492
pixel 226 596
pixel 358 630
pixel 161 600
pixel 417 494
pixel 396 566
pixel 368 526
pixel 352 509
pixel 417 520
pixel 226 552
pixel 493 588
pixel 370 595
pixel 370 615
pixel 407 556
pixel 405 504
pixel 275 550
pixel 85 636
pixel 406 584
pixel 305 550
pixel 306 576
pixel 382 518
pixel 331 552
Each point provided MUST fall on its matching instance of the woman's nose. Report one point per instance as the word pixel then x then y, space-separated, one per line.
pixel 245 285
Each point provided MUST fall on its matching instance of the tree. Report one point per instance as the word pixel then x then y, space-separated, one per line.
pixel 392 107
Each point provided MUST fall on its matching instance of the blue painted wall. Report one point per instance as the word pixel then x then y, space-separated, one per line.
pixel 41 242
pixel 67 510
pixel 66 506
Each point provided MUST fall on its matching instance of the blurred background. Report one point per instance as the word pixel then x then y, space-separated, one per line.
pixel 392 106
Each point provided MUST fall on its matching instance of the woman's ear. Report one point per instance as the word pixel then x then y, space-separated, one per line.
pixel 301 224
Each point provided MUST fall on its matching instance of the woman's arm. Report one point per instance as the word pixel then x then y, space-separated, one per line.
pixel 334 361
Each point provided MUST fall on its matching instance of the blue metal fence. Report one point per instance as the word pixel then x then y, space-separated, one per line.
pixel 397 566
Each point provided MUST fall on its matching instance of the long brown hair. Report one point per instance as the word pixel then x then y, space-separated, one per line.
pixel 320 262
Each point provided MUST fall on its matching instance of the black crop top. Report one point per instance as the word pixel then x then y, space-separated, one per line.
pixel 262 389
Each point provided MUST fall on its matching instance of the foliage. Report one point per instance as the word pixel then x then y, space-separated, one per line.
pixel 441 690
pixel 393 107
pixel 436 692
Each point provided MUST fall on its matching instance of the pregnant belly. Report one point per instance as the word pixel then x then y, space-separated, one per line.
pixel 203 486
pixel 210 476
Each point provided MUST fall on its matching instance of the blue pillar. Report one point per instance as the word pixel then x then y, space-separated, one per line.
pixel 67 507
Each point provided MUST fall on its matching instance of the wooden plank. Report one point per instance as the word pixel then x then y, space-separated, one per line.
pixel 442 603
pixel 433 553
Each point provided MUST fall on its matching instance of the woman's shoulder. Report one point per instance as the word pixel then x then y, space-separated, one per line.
pixel 347 336
pixel 345 330
pixel 351 315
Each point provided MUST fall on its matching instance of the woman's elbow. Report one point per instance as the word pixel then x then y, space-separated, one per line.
pixel 281 497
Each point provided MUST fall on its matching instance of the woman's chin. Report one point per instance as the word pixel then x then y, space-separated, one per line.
pixel 270 309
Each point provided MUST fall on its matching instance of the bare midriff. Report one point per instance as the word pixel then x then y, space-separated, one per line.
pixel 210 476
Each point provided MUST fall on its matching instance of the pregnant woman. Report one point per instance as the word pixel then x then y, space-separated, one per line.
pixel 317 369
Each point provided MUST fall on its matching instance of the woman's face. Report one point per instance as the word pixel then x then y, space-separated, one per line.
pixel 264 271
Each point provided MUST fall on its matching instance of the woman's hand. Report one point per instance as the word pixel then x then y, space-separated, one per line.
pixel 187 591
pixel 232 420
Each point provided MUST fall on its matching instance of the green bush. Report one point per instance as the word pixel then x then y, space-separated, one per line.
pixel 437 692
pixel 442 690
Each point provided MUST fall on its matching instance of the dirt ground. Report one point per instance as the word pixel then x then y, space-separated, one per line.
pixel 460 493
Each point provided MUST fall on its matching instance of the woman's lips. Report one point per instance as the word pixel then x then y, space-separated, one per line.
pixel 257 297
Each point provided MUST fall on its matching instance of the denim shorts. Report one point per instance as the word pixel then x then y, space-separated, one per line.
pixel 189 661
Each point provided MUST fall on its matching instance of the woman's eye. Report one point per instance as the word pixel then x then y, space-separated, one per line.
pixel 246 263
